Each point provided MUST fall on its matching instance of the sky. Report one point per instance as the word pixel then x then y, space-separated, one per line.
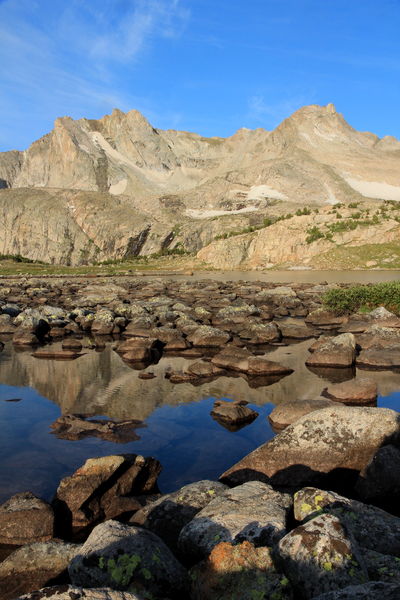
pixel 209 66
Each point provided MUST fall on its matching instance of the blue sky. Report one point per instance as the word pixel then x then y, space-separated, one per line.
pixel 210 66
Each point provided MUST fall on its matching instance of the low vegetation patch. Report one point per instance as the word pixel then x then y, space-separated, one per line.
pixel 361 297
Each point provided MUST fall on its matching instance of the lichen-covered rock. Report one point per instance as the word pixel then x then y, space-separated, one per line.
pixel 340 437
pixel 253 511
pixel 372 527
pixel 25 518
pixel 382 567
pixel 238 572
pixel 321 556
pixel 261 333
pixel 34 566
pixel 339 351
pixel 128 558
pixel 380 358
pixel 208 336
pixel 170 513
pixel 71 592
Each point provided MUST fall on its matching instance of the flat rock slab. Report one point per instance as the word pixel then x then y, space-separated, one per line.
pixel 128 558
pixel 33 566
pixel 380 358
pixel 359 392
pixel 340 437
pixel 290 411
pixel 253 512
pixel 25 518
pixel 233 412
pixel 71 592
pixel 170 513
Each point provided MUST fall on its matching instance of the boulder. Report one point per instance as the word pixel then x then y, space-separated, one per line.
pixel 170 513
pixel 72 344
pixel 321 556
pixel 34 566
pixel 238 572
pixel 202 368
pixel 25 518
pixel 253 511
pixel 378 336
pixel 6 324
pixel 370 526
pixel 365 591
pixel 296 331
pixel 24 338
pixel 95 294
pixel 128 558
pixel 290 411
pixel 56 354
pixel 104 488
pixel 232 358
pixel 381 567
pixel 340 440
pixel 358 392
pixel 338 351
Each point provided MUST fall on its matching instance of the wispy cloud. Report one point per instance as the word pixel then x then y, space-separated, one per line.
pixel 270 114
pixel 69 59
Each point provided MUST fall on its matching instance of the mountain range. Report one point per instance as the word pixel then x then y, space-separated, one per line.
pixel 114 188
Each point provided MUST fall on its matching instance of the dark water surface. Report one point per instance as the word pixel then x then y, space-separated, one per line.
pixel 178 429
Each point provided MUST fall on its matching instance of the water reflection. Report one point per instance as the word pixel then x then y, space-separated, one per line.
pixel 179 430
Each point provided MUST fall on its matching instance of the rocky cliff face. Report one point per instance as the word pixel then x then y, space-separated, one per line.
pixel 114 187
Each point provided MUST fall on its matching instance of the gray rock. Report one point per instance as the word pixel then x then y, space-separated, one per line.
pixel 380 358
pixel 34 566
pixel 321 556
pixel 208 337
pixel 170 513
pixel 382 567
pixel 25 518
pixel 127 558
pixel 366 591
pixel 253 511
pixel 290 411
pixel 317 444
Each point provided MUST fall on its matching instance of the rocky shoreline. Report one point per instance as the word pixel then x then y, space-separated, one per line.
pixel 312 513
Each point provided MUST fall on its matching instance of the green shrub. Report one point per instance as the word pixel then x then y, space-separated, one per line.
pixel 345 300
pixel 314 234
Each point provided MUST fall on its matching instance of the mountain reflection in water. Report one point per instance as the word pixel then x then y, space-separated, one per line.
pixel 178 428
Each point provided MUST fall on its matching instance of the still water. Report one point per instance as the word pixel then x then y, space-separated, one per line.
pixel 177 427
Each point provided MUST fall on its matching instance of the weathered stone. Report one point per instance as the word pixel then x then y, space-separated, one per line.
pixel 253 511
pixel 25 518
pixel 380 358
pixel 238 572
pixel 339 351
pixel 71 592
pixel 72 344
pixel 366 591
pixel 258 365
pixel 170 513
pixel 261 333
pixel 234 412
pixel 340 437
pixel 35 566
pixel 24 338
pixel 54 354
pixel 297 332
pixel 290 411
pixel 359 392
pixel 104 488
pixel 372 527
pixel 204 369
pixel 233 358
pixel 321 556
pixel 77 427
pixel 128 558
pixel 208 336
pixel 378 336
